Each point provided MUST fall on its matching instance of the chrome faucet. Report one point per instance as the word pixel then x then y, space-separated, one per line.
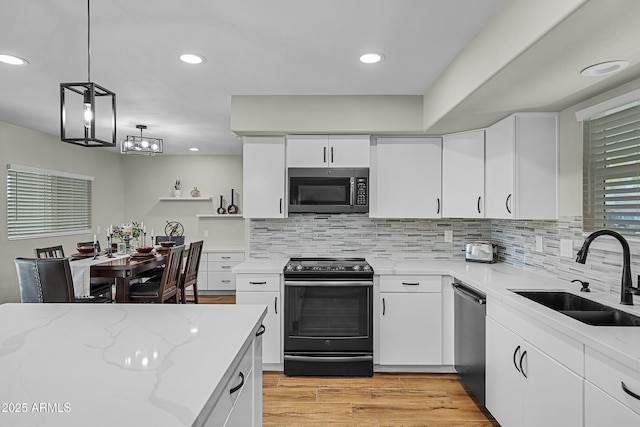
pixel 626 287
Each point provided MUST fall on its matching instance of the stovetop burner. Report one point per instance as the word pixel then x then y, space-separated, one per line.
pixel 322 266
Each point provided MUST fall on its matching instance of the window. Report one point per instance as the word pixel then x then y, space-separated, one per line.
pixel 612 170
pixel 43 202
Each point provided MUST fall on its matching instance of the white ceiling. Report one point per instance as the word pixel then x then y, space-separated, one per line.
pixel 303 47
pixel 253 47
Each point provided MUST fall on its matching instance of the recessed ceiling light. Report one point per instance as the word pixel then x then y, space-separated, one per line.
pixel 191 58
pixel 12 60
pixel 371 58
pixel 604 68
pixel 194 149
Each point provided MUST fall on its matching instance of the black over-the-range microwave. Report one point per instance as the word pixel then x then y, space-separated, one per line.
pixel 328 190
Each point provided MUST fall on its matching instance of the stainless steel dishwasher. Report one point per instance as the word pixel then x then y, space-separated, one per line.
pixel 469 332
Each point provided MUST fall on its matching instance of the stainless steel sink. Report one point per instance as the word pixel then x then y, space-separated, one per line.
pixel 582 309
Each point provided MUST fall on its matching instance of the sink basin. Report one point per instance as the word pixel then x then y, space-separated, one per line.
pixel 582 309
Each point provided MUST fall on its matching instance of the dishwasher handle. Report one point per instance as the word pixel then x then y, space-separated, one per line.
pixel 468 293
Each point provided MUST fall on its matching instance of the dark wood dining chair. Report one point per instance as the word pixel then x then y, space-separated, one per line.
pixel 89 244
pixel 50 252
pixel 48 280
pixel 190 274
pixel 98 286
pixel 167 287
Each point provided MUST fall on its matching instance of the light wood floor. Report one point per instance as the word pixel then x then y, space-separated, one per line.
pixel 385 400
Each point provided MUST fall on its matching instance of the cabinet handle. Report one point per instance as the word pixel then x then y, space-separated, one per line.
pixel 226 281
pixel 275 305
pixel 411 284
pixel 257 283
pixel 507 203
pixel 280 204
pixel 438 211
pixel 324 155
pixel 261 330
pixel 629 392
pixel 524 353
pixel 225 257
pixel 479 199
pixel 331 154
pixel 514 358
pixel 384 307
pixel 226 267
pixel 239 386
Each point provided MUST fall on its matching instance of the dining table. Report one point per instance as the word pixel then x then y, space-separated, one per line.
pixel 124 269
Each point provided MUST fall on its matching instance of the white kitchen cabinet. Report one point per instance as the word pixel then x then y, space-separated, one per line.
pixel 263 174
pixel 338 151
pixel 526 387
pixel 215 270
pixel 264 289
pixel 463 175
pixel 600 409
pixel 410 321
pixel 521 167
pixel 406 176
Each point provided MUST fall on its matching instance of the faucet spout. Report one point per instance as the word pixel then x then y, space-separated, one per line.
pixel 626 286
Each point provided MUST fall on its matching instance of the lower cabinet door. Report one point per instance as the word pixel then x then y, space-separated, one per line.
pixel 504 388
pixel 271 339
pixel 600 409
pixel 410 328
pixel 241 414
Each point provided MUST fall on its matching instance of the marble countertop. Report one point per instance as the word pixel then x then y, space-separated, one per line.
pixel 117 364
pixel 215 249
pixel 261 265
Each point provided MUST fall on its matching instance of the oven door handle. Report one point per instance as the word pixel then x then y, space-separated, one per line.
pixel 365 357
pixel 323 283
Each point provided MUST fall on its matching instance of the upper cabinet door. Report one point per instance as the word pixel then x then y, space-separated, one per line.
pixel 499 169
pixel 307 151
pixel 463 175
pixel 336 151
pixel 407 178
pixel 521 167
pixel 349 151
pixel 263 172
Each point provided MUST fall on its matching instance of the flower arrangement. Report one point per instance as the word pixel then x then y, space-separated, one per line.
pixel 133 230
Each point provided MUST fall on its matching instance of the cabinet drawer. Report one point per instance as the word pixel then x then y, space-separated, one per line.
pixel 609 375
pixel 218 281
pixel 258 282
pixel 221 265
pixel 222 257
pixel 226 401
pixel 410 283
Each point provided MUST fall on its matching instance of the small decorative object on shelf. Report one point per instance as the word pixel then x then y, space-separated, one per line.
pixel 221 209
pixel 177 189
pixel 195 192
pixel 232 209
pixel 173 228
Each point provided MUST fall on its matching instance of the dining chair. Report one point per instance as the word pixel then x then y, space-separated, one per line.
pixel 178 239
pixel 190 274
pixel 166 287
pixel 98 286
pixel 50 252
pixel 48 280
pixel 89 244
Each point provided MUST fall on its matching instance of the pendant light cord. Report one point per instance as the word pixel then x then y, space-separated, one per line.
pixel 88 41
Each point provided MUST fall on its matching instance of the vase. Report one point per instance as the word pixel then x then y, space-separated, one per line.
pixel 177 193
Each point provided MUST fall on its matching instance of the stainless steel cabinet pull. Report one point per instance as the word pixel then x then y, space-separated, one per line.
pixel 507 203
pixel 514 358
pixel 257 283
pixel 629 392
pixel 411 284
pixel 261 330
pixel 524 353
pixel 239 386
pixel 275 305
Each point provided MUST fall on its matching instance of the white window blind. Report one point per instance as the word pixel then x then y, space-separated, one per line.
pixel 43 202
pixel 612 170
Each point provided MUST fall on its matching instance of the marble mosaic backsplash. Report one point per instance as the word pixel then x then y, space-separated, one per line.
pixel 346 235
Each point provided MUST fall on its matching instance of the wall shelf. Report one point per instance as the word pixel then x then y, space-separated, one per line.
pixel 215 215
pixel 184 199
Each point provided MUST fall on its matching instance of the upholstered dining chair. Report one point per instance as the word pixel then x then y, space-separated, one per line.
pixel 190 274
pixel 99 286
pixel 178 239
pixel 166 288
pixel 48 280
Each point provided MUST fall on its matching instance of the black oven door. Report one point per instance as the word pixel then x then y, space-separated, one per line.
pixel 333 317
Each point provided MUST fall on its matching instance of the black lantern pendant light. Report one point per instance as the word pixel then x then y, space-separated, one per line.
pixel 87 119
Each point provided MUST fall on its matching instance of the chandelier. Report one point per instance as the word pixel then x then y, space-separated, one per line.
pixel 87 119
pixel 141 145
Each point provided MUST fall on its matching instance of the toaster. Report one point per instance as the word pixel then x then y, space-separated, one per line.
pixel 481 252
